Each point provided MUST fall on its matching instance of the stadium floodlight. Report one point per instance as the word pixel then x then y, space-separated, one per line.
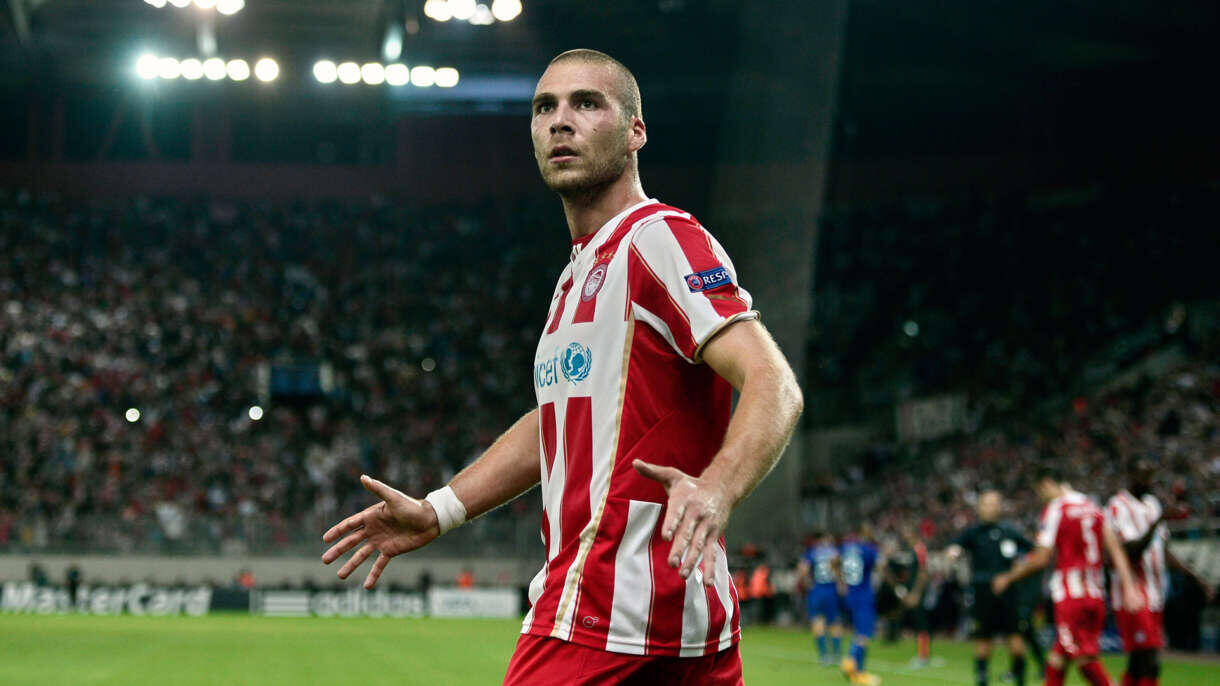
pixel 391 47
pixel 505 10
pixel 266 69
pixel 438 10
pixel 238 70
pixel 229 7
pixel 397 74
pixel 192 69
pixel 325 71
pixel 205 4
pixel 373 73
pixel 427 364
pixel 214 68
pixel 156 3
pixel 423 76
pixel 348 72
pixel 168 68
pixel 147 66
pixel 462 10
pixel 482 16
pixel 446 77
pixel 255 413
pixel 132 415
pixel 180 3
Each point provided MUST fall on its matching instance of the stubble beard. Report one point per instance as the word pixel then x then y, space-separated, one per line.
pixel 599 175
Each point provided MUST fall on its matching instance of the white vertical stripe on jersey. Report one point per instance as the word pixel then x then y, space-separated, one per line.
pixel 643 314
pixel 633 580
pixel 1049 530
pixel 694 616
pixel 723 579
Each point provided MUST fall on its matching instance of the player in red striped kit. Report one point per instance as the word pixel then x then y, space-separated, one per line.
pixel 1135 515
pixel 1073 531
pixel 639 460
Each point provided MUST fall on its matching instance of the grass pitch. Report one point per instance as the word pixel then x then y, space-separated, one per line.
pixel 242 649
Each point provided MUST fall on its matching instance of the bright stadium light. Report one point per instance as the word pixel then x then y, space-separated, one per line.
pixel 462 10
pixel 255 413
pixel 147 66
pixel 505 10
pixel 397 74
pixel 168 68
pixel 205 4
pixel 325 71
pixel 349 73
pixel 132 415
pixel 446 77
pixel 373 74
pixel 180 3
pixel 192 69
pixel 228 7
pixel 238 70
pixel 266 69
pixel 156 3
pixel 214 68
pixel 391 47
pixel 423 76
pixel 438 10
pixel 482 16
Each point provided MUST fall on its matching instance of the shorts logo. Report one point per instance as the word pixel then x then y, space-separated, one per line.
pixel 593 283
pixel 575 362
pixel 708 279
pixel 589 621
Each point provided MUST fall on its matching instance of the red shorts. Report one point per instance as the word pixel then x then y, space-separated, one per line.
pixel 1140 630
pixel 1078 624
pixel 545 661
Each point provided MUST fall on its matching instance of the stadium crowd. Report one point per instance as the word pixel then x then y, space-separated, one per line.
pixel 421 321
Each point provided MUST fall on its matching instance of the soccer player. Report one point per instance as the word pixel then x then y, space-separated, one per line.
pixel 859 559
pixel 820 565
pixel 906 571
pixel 1073 531
pixel 993 547
pixel 1135 514
pixel 640 455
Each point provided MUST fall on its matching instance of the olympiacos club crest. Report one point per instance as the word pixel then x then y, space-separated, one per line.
pixel 593 283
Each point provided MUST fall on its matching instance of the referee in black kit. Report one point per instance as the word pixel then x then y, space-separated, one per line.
pixel 993 548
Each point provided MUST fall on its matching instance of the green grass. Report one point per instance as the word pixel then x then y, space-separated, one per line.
pixel 240 649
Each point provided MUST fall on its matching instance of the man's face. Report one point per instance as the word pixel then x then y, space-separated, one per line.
pixel 580 134
pixel 1046 489
pixel 990 504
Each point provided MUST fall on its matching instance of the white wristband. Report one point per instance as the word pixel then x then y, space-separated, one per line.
pixel 450 512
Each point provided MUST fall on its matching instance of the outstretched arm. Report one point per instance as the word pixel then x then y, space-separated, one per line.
pixel 1176 562
pixel 1029 565
pixel 1132 599
pixel 399 523
pixel 770 402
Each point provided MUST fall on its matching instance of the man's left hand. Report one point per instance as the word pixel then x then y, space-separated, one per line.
pixel 695 518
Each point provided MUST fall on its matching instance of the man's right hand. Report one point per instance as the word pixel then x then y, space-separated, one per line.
pixel 396 525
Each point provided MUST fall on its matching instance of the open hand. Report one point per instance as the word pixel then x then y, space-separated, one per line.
pixel 396 525
pixel 1133 600
pixel 695 518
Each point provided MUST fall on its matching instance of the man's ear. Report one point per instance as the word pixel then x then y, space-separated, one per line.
pixel 638 134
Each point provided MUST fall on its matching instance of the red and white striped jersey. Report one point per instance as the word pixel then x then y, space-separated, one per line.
pixel 618 377
pixel 1131 517
pixel 1071 526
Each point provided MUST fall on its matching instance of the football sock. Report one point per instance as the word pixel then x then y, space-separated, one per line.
pixel 1095 674
pixel 1148 681
pixel 857 654
pixel 836 645
pixel 1129 680
pixel 1054 677
pixel 925 645
pixel 822 647
pixel 1018 670
pixel 980 671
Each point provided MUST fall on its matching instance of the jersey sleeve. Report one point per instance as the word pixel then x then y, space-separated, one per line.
pixel 1118 517
pixel 1048 529
pixel 683 284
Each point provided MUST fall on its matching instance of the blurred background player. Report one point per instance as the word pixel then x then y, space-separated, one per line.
pixel 820 566
pixel 1135 515
pixel 906 572
pixel 1073 531
pixel 857 562
pixel 993 547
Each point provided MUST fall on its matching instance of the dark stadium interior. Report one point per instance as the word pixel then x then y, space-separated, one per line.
pixel 1020 219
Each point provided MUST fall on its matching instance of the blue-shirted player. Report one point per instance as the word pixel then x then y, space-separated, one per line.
pixel 858 559
pixel 820 567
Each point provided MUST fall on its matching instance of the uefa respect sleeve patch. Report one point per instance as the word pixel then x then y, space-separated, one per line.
pixel 708 279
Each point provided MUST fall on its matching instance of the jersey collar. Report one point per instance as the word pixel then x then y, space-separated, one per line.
pixel 582 244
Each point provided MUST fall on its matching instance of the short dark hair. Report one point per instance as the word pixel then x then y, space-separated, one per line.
pixel 627 91
pixel 1048 471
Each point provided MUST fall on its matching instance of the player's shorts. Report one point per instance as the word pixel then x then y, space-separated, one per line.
pixel 545 661
pixel 993 615
pixel 863 611
pixel 823 602
pixel 1140 630
pixel 1078 625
